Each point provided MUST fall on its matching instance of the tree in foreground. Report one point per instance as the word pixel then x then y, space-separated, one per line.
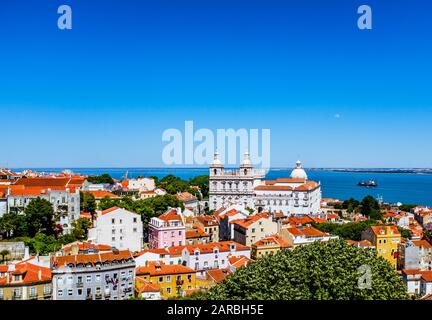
pixel 39 215
pixel 321 271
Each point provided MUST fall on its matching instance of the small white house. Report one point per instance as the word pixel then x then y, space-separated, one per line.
pixel 118 228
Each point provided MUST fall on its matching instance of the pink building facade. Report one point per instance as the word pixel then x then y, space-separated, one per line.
pixel 167 230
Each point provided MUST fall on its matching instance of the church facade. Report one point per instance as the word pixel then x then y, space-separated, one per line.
pixel 296 195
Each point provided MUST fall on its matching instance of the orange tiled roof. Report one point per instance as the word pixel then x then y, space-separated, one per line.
pixel 422 243
pixel 100 194
pixel 30 274
pixel 307 232
pixel 160 268
pixel 240 261
pixel 377 229
pixel 186 196
pixel 110 210
pixel 145 286
pixel 196 232
pixel 246 222
pixel 170 215
pixel 84 246
pixel 92 258
pixel 218 275
pixel 272 240
pixel 207 221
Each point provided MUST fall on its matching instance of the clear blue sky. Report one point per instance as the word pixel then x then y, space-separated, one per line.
pixel 102 93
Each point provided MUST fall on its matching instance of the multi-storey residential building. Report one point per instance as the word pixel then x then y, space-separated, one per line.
pixel 17 250
pixel 210 224
pixel 63 193
pixel 25 281
pixel 108 276
pixel 147 290
pixel 172 280
pixel 119 228
pixel 253 228
pixel 415 254
pixel 169 256
pixel 167 230
pixel 226 217
pixel 3 200
pixel 268 245
pixel 190 201
pixel 202 257
pixel 295 195
pixel 303 235
pixel 386 240
pixel 417 281
pixel 197 235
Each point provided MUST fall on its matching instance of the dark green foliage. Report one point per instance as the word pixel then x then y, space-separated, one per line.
pixel 87 202
pixel 347 231
pixel 321 271
pixel 370 208
pixel 405 233
pixel 350 205
pixel 39 215
pixel 103 178
pixel 80 228
pixel 407 207
pixel 147 208
pixel 13 225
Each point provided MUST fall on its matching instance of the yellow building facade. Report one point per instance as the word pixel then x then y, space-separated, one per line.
pixel 173 280
pixel 386 240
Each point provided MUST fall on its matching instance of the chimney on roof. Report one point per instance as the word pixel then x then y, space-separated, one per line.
pixel 40 274
pixel 115 250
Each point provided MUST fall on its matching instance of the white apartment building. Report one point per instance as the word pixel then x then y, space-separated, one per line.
pixel 64 197
pixel 202 257
pixel 118 228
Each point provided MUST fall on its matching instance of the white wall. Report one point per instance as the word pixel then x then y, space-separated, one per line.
pixel 127 226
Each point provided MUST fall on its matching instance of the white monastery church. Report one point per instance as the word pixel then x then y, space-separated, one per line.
pixel 295 195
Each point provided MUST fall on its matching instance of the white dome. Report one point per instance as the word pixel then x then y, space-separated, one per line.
pixel 298 172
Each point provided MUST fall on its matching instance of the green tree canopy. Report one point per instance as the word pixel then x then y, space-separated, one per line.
pixel 80 228
pixel 13 225
pixel 371 208
pixel 320 271
pixel 103 178
pixel 347 231
pixel 147 208
pixel 39 217
pixel 87 202
pixel 407 207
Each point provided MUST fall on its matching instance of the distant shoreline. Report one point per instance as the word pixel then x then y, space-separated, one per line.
pixel 352 170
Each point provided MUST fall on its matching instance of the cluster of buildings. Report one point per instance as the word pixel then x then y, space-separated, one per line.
pixel 296 195
pixel 187 251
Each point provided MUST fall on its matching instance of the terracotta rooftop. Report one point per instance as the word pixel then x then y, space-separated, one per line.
pixel 160 268
pixel 218 275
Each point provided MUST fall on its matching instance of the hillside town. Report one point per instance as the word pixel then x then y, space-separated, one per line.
pixel 67 236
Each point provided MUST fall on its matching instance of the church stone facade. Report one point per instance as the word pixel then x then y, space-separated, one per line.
pixel 296 195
